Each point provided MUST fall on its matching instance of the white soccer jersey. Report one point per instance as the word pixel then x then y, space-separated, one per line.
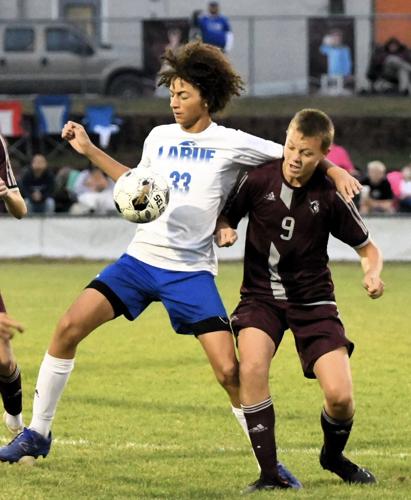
pixel 201 169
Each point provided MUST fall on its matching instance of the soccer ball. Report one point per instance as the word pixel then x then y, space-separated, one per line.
pixel 141 195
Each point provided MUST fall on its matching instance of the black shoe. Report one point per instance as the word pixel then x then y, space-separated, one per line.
pixel 348 471
pixel 263 484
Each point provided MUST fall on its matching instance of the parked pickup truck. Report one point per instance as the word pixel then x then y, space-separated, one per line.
pixel 53 58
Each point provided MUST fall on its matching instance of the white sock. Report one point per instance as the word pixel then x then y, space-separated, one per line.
pixel 239 415
pixel 52 378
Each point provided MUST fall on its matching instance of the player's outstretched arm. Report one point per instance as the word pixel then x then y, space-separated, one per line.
pixel 347 185
pixel 224 234
pixel 372 262
pixel 78 138
pixel 8 326
pixel 13 200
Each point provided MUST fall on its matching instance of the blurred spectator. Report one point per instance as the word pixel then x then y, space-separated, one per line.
pixel 339 63
pixel 94 193
pixel 195 31
pixel 339 60
pixel 340 156
pixel 215 29
pixel 376 195
pixel 64 195
pixel 405 189
pixel 37 186
pixel 390 65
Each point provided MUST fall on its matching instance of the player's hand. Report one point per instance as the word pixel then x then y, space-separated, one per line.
pixel 225 237
pixel 77 136
pixel 224 234
pixel 4 190
pixel 8 327
pixel 347 185
pixel 373 285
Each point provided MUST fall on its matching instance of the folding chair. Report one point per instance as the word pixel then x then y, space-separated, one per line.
pixel 100 120
pixel 11 127
pixel 52 112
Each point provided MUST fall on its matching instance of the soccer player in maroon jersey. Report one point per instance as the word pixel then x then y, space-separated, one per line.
pixel 292 210
pixel 10 379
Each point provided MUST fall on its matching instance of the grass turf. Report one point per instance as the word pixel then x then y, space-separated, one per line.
pixel 142 416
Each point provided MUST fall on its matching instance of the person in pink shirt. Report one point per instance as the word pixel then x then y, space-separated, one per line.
pixel 339 155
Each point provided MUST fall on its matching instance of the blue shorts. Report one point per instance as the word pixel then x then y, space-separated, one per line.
pixel 191 298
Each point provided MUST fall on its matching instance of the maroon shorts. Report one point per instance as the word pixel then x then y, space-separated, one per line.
pixel 2 306
pixel 317 329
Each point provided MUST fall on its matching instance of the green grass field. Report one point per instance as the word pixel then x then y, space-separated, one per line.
pixel 142 416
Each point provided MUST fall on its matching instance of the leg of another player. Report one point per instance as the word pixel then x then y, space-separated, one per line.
pixel 334 376
pixel 10 388
pixel 220 351
pixel 89 311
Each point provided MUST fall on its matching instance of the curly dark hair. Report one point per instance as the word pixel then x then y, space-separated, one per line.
pixel 206 68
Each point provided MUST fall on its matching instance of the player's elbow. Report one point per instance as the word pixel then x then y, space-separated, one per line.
pixel 22 212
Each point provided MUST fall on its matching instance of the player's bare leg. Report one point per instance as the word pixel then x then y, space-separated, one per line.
pixel 220 351
pixel 334 376
pixel 333 373
pixel 89 311
pixel 256 351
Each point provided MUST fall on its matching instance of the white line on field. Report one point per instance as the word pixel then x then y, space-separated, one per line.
pixel 176 447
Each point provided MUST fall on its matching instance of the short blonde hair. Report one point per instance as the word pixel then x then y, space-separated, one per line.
pixel 312 123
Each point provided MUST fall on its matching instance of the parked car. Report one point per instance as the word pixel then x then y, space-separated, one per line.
pixel 53 58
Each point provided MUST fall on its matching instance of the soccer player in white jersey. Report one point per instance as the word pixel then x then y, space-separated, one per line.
pixel 10 378
pixel 171 259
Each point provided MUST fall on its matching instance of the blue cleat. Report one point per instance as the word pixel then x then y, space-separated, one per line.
pixel 283 480
pixel 28 443
pixel 285 474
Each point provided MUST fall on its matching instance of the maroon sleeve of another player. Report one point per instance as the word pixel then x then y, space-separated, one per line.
pixel 6 172
pixel 347 224
pixel 238 203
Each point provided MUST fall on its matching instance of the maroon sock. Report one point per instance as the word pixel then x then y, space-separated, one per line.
pixel 336 434
pixel 10 390
pixel 260 420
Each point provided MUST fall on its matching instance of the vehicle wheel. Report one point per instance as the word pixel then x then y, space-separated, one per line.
pixel 130 86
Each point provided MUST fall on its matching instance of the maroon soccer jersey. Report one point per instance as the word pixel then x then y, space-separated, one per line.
pixel 6 172
pixel 287 234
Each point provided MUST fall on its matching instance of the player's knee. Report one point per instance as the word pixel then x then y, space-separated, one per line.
pixel 69 331
pixel 7 366
pixel 339 400
pixel 252 371
pixel 227 375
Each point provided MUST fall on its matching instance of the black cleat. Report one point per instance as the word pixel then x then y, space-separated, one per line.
pixel 348 471
pixel 283 480
pixel 263 484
